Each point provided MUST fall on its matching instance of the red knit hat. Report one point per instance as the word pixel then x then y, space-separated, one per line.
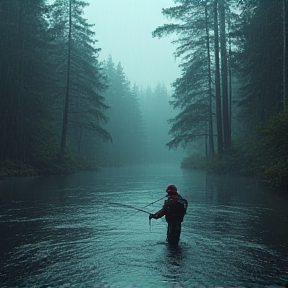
pixel 171 189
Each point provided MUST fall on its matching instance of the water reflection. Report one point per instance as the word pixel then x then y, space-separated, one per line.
pixel 61 231
pixel 174 255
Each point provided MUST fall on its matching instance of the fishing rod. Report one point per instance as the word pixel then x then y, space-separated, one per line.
pixel 150 204
pixel 139 209
pixel 132 207
pixel 154 201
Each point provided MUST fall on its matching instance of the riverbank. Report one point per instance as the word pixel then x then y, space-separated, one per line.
pixel 11 169
pixel 238 163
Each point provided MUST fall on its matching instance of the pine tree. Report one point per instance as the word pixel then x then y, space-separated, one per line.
pixel 262 62
pixel 24 79
pixel 285 65
pixel 217 81
pixel 125 119
pixel 81 76
pixel 193 90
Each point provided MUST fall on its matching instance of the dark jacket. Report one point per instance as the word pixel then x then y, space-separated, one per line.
pixel 169 215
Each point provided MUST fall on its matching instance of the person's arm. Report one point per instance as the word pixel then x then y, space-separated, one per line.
pixel 161 212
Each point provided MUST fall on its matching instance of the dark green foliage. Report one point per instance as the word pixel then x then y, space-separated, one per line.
pixel 255 35
pixel 82 76
pixel 191 96
pixel 194 161
pixel 197 26
pixel 239 160
pixel 264 155
pixel 16 169
pixel 274 148
pixel 33 66
pixel 262 60
pixel 23 76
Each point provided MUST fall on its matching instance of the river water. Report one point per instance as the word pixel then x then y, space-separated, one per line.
pixel 64 232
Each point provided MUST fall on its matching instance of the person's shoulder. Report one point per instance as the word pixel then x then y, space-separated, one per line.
pixel 181 198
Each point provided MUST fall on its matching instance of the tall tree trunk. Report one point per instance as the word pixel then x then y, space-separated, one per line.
pixel 224 74
pixel 285 96
pixel 230 78
pixel 19 144
pixel 66 104
pixel 80 140
pixel 217 82
pixel 211 140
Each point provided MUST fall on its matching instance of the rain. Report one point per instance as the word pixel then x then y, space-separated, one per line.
pixel 143 143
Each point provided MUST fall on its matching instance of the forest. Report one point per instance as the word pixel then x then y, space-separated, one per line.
pixel 64 110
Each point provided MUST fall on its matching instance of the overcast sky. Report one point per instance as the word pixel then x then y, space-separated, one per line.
pixel 123 30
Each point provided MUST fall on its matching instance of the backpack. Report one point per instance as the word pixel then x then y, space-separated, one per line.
pixel 176 210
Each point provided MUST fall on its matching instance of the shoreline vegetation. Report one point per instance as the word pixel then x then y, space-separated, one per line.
pixel 234 163
pixel 263 156
pixel 10 169
pixel 239 165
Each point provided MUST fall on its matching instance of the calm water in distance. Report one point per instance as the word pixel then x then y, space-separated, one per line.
pixel 64 232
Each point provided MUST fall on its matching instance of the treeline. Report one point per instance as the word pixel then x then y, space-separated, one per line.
pixel 232 92
pixel 55 92
pixel 137 121
pixel 61 109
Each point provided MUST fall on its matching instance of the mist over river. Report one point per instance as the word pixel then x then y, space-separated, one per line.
pixel 64 232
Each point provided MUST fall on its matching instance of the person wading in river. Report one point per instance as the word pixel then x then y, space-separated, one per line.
pixel 174 209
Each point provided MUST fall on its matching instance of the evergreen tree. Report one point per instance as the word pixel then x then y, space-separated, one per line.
pixel 24 79
pixel 224 74
pixel 262 62
pixel 125 119
pixel 196 24
pixel 217 81
pixel 285 61
pixel 193 90
pixel 82 76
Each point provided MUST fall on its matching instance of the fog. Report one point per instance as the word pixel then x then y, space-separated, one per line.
pixel 124 31
pixel 76 76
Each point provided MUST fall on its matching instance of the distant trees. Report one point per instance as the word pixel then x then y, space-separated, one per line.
pixel 154 102
pixel 138 121
pixel 55 93
pixel 125 119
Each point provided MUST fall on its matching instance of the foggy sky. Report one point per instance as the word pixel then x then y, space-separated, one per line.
pixel 123 30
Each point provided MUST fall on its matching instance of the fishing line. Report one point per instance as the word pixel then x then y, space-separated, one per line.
pixel 155 201
pixel 132 207
pixel 150 204
pixel 139 209
pixel 149 225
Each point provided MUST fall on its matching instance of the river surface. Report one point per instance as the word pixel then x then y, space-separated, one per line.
pixel 64 232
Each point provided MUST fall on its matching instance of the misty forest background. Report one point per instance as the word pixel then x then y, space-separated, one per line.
pixel 62 110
